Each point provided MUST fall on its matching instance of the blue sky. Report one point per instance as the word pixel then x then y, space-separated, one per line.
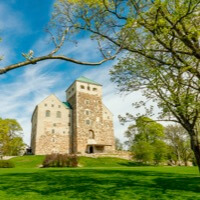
pixel 22 25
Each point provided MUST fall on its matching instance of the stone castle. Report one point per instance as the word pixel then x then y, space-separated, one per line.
pixel 82 124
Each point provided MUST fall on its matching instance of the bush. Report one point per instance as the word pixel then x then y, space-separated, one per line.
pixel 60 160
pixel 6 164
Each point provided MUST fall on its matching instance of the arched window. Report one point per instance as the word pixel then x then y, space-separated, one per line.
pixel 48 113
pixel 91 134
pixel 58 114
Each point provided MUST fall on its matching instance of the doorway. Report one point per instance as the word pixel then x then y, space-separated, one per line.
pixel 91 149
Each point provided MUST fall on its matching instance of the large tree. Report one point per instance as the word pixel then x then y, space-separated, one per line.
pixel 11 142
pixel 162 50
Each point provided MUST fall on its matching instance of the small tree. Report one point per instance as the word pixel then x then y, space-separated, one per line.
pixel 118 144
pixel 11 142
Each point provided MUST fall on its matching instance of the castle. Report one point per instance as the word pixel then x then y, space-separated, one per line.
pixel 82 124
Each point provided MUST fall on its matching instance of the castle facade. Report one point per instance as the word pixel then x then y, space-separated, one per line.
pixel 82 124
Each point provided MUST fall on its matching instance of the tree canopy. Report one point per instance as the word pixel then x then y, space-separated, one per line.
pixel 11 142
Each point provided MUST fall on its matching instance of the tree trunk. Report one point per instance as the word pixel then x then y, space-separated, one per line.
pixel 195 145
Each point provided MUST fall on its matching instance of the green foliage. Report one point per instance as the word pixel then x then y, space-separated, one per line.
pixel 179 144
pixel 143 151
pixel 11 142
pixel 60 160
pixel 6 164
pixel 118 145
pixel 160 152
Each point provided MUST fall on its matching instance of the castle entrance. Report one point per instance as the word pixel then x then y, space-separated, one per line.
pixel 91 149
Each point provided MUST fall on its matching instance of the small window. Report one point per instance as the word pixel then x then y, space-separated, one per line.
pixel 59 106
pixel 87 112
pixel 58 114
pixel 72 89
pixel 53 139
pixel 87 122
pixel 64 132
pixel 45 104
pixel 54 124
pixel 87 101
pixel 52 131
pixel 52 105
pixel 82 87
pixel 69 115
pixel 108 117
pixel 69 124
pixel 48 113
pixel 88 87
pixel 94 89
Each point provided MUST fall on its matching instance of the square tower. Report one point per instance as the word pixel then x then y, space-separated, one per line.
pixel 92 122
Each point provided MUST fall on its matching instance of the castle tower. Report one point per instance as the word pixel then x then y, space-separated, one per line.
pixel 92 122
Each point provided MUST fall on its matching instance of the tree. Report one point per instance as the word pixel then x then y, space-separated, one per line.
pixel 146 140
pixel 143 151
pixel 118 145
pixel 178 141
pixel 11 142
pixel 162 52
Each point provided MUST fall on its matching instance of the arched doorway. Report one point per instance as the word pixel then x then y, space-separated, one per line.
pixel 91 149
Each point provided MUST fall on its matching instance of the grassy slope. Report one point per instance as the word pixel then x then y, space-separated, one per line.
pixel 108 182
pixel 35 161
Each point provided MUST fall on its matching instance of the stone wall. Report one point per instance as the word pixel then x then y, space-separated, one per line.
pixel 53 131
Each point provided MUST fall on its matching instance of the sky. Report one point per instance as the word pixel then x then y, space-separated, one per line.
pixel 22 27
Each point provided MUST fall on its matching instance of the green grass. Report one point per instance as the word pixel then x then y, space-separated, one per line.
pixel 103 179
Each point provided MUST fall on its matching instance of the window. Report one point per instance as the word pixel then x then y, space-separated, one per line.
pixel 88 87
pixel 87 101
pixel 82 87
pixel 45 104
pixel 69 124
pixel 52 131
pixel 69 115
pixel 54 124
pixel 48 113
pixel 52 105
pixel 58 114
pixel 59 106
pixel 94 89
pixel 87 112
pixel 91 134
pixel 87 121
pixel 63 131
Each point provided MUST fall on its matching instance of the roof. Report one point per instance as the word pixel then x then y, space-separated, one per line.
pixel 67 104
pixel 87 80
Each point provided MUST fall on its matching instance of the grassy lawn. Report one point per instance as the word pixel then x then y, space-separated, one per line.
pixel 113 179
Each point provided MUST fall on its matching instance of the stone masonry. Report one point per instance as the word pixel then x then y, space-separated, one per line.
pixel 82 124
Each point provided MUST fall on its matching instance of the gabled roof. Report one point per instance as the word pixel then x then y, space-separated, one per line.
pixel 87 80
pixel 67 104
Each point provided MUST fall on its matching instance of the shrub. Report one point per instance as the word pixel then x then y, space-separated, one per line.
pixel 60 160
pixel 6 164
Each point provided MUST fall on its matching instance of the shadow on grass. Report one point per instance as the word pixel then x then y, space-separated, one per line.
pixel 134 164
pixel 101 184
